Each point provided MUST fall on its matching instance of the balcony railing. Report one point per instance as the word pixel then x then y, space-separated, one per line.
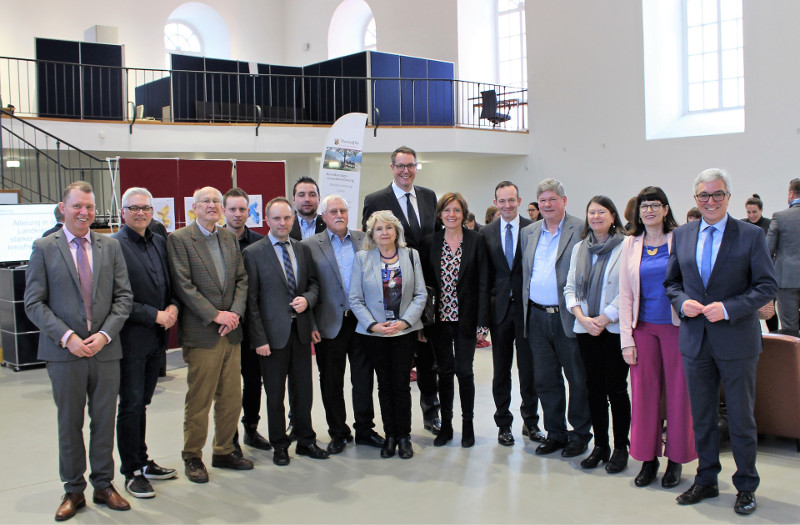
pixel 37 88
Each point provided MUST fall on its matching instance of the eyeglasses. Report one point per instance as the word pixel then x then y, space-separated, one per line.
pixel 653 207
pixel 136 209
pixel 718 196
pixel 409 167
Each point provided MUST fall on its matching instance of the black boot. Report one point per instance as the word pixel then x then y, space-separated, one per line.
pixel 253 439
pixel 467 434
pixel 445 434
pixel 672 477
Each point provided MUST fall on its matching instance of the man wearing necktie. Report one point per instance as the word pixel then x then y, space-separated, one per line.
pixel 282 292
pixel 78 294
pixel 415 207
pixel 719 274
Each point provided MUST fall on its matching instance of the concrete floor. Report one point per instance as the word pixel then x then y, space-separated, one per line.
pixel 485 484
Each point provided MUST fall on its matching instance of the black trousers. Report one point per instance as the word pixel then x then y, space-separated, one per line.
pixel 251 384
pixel 137 382
pixel 607 382
pixel 424 358
pixel 507 335
pixel 292 362
pixel 332 356
pixel 455 354
pixel 391 357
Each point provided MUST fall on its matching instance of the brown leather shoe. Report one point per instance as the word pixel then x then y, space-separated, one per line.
pixel 70 504
pixel 110 497
pixel 231 461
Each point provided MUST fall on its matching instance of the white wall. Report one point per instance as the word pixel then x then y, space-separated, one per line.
pixel 587 107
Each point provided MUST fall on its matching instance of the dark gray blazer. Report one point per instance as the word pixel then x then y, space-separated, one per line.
pixel 528 239
pixel 53 299
pixel 333 300
pixel 297 234
pixel 742 279
pixel 269 316
pixel 503 281
pixel 385 199
pixel 366 290
pixel 197 287
pixel 783 240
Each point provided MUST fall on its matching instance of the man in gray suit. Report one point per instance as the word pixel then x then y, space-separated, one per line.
pixel 783 240
pixel 283 290
pixel 211 284
pixel 333 252
pixel 78 294
pixel 546 249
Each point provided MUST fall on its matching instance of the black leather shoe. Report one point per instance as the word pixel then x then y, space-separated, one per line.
pixel 445 434
pixel 348 438
pixel 467 434
pixel 598 454
pixel 253 439
pixel 536 435
pixel 434 425
pixel 505 437
pixel 618 461
pixel 404 449
pixel 336 446
pixel 647 474
pixel 672 477
pixel 371 440
pixel 195 471
pixel 389 447
pixel 574 448
pixel 698 493
pixel 231 461
pixel 549 446
pixel 312 451
pixel 745 502
pixel 280 457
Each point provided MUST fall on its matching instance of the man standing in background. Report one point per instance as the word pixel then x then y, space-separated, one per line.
pixel 783 240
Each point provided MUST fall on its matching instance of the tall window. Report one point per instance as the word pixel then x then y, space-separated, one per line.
pixel 181 38
pixel 371 36
pixel 714 64
pixel 511 48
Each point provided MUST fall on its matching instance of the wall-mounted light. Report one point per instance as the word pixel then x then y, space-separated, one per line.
pixel 12 164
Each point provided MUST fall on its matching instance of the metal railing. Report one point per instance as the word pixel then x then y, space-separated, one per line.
pixel 38 88
pixel 41 165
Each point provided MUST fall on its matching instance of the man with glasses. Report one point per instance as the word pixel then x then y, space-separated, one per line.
pixel 719 274
pixel 415 207
pixel 144 338
pixel 210 281
pixel 783 240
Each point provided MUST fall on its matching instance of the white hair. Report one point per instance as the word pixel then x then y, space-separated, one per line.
pixel 711 175
pixel 324 204
pixel 196 196
pixel 131 192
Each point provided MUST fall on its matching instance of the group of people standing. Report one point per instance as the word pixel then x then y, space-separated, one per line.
pixel 569 298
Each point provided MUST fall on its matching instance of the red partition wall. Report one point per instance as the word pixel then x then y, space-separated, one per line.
pixel 267 179
pixel 179 178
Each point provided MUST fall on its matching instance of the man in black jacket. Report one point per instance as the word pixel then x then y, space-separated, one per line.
pixel 143 338
pixel 415 207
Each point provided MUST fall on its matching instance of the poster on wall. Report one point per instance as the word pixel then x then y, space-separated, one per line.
pixel 254 219
pixel 164 212
pixel 190 216
pixel 340 169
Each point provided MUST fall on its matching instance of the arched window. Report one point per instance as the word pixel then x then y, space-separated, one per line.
pixel 179 37
pixel 371 36
pixel 352 29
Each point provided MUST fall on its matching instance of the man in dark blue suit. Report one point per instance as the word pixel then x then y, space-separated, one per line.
pixel 144 338
pixel 719 275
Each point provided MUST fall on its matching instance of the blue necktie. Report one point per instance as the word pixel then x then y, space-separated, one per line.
pixel 705 262
pixel 509 247
pixel 287 265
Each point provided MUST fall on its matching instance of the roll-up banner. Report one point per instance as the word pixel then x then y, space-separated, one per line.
pixel 340 169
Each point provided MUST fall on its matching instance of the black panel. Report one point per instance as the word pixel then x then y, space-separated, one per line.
pixel 188 86
pixel 353 95
pixel 153 96
pixel 286 95
pixel 58 85
pixel 102 81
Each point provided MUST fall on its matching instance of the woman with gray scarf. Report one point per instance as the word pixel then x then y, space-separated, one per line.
pixel 592 295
